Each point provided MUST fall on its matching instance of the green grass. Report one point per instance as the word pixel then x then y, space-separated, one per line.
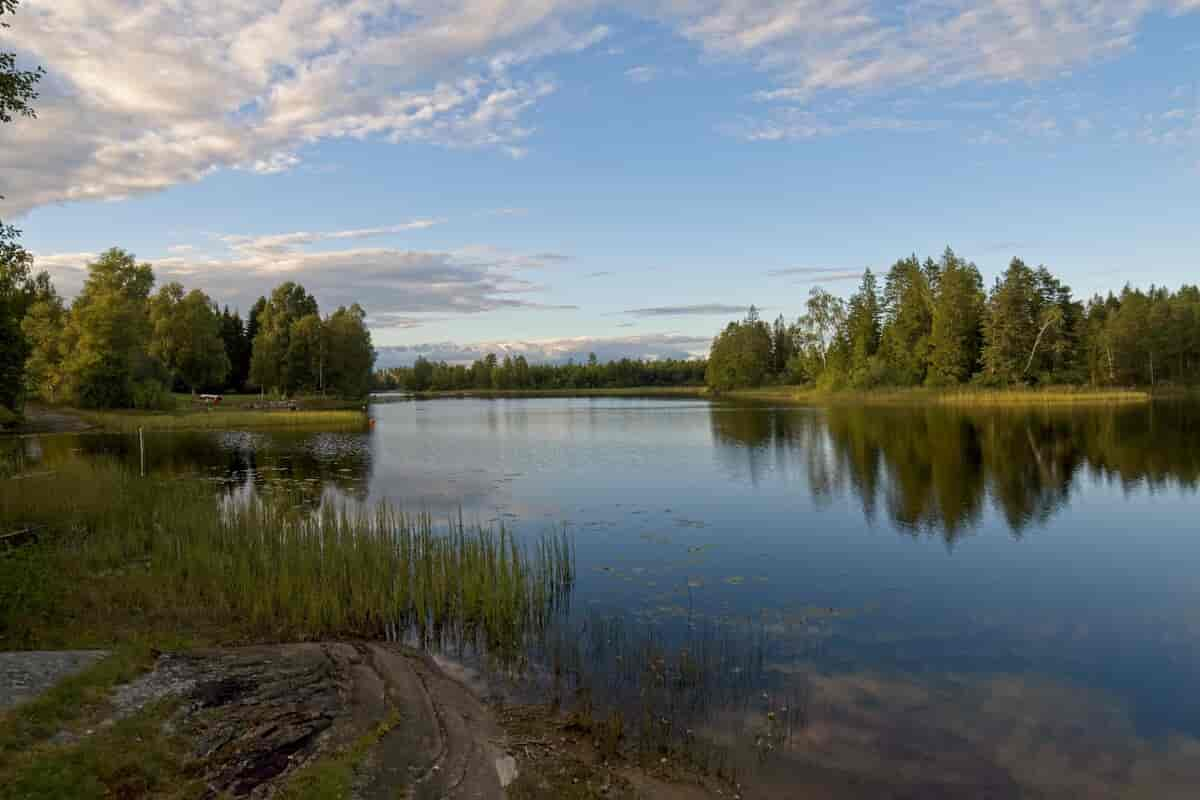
pixel 235 400
pixel 71 700
pixel 333 775
pixel 122 558
pixel 223 419
pixel 129 759
pixel 992 398
pixel 139 563
pixel 134 757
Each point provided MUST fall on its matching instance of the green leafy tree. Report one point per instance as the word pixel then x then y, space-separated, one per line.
pixel 304 362
pixel 186 336
pixel 237 348
pixel 273 363
pixel 863 323
pixel 820 340
pixel 782 346
pixel 1011 325
pixel 350 354
pixel 44 328
pixel 16 294
pixel 18 90
pixel 741 355
pixel 908 321
pixel 106 360
pixel 956 338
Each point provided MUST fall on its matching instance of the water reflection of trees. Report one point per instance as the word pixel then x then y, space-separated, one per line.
pixel 301 469
pixel 937 469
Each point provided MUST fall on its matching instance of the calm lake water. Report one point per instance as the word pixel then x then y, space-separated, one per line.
pixel 895 602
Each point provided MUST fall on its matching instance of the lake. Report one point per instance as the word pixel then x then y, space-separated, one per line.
pixel 884 602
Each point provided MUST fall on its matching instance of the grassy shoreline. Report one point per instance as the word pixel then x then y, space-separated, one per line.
pixel 804 396
pixel 221 419
pixel 959 397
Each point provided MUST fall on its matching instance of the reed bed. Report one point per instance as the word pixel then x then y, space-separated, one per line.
pixel 983 398
pixel 129 422
pixel 117 554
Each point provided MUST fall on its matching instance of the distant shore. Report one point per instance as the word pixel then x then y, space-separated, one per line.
pixel 960 397
pixel 800 395
pixel 634 391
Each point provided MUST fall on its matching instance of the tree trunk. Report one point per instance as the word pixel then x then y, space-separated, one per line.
pixel 1036 342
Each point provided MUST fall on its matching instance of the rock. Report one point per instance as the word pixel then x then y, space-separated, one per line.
pixel 25 675
pixel 506 770
pixel 255 715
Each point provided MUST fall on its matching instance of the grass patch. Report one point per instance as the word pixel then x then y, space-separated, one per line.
pixel 132 758
pixel 121 557
pixel 78 697
pixel 990 398
pixel 224 419
pixel 244 401
pixel 333 775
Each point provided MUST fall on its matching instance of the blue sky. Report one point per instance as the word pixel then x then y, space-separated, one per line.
pixel 554 177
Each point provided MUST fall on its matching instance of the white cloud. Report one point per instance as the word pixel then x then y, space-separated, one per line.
pixel 701 309
pixel 398 287
pixel 791 124
pixel 139 96
pixel 820 45
pixel 641 74
pixel 647 346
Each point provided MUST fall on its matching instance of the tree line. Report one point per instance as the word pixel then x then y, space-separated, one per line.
pixel 932 323
pixel 122 345
pixel 516 372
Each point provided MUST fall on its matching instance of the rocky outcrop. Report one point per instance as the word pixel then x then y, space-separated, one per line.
pixel 256 715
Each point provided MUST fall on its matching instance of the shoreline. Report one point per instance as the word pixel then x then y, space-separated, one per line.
pixel 332 718
pixel 802 396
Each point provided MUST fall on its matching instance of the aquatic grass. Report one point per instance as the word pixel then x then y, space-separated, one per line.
pixel 962 396
pixel 119 554
pixel 204 419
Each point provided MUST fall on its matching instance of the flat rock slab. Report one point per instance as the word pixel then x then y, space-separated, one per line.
pixel 255 715
pixel 26 674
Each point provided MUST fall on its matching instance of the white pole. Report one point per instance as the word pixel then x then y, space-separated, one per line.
pixel 142 450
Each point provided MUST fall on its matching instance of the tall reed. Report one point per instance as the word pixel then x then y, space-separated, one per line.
pixel 118 550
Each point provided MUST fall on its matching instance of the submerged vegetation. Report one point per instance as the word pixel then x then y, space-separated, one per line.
pixel 120 556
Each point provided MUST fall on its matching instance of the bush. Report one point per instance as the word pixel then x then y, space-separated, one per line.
pixel 8 418
pixel 150 395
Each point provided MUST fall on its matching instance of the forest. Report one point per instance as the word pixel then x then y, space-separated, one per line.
pixel 516 373
pixel 121 344
pixel 933 324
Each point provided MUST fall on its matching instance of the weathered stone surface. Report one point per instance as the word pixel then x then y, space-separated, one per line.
pixel 25 675
pixel 256 714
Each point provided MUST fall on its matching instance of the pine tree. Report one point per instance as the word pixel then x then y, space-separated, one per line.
pixel 1011 325
pixel 863 323
pixel 958 311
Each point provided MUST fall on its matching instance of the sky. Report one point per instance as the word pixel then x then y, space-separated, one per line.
pixel 558 177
